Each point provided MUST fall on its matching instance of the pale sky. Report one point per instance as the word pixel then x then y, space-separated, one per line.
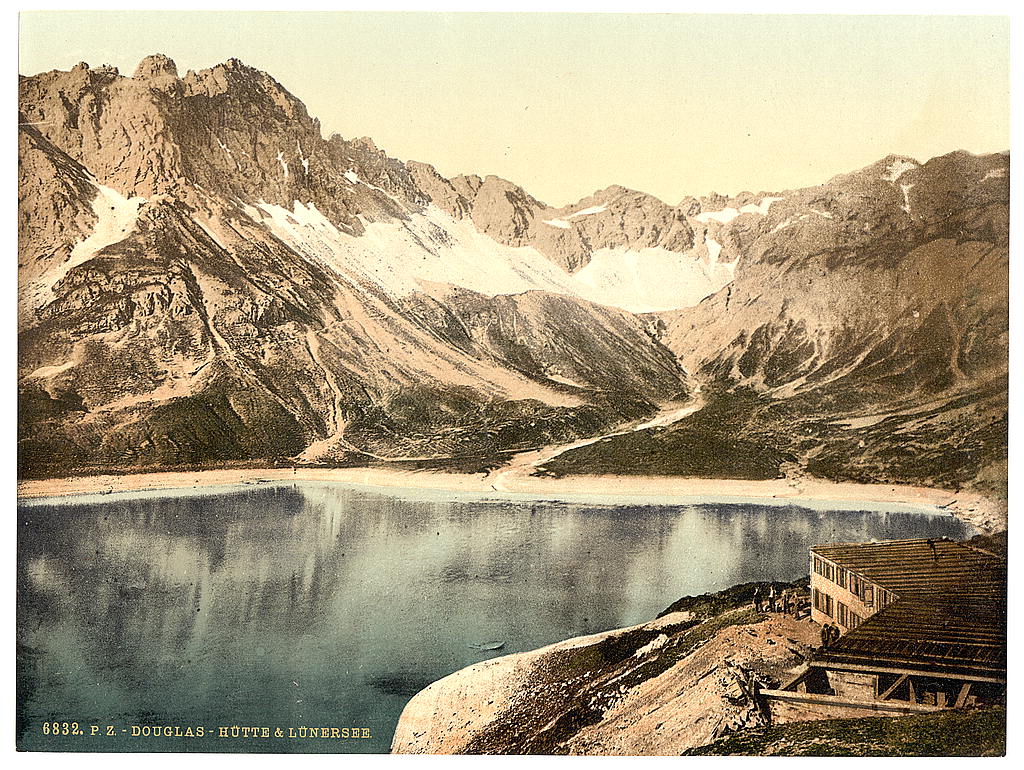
pixel 566 104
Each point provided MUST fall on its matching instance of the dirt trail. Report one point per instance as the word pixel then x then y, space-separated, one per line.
pixel 521 466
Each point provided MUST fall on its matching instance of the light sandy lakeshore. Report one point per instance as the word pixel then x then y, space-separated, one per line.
pixel 983 514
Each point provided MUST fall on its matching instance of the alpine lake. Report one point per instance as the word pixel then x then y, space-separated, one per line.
pixel 302 617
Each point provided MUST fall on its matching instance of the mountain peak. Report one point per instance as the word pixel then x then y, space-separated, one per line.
pixel 232 71
pixel 366 143
pixel 237 67
pixel 247 85
pixel 156 65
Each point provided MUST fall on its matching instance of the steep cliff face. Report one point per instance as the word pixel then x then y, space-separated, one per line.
pixel 203 277
pixel 229 132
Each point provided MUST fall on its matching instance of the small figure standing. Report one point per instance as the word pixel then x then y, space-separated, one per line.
pixel 834 635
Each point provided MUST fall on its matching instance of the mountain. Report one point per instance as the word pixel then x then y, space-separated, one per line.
pixel 864 336
pixel 205 279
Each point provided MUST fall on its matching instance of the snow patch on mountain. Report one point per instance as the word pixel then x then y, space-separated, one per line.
pixel 724 216
pixel 115 219
pixel 563 223
pixel 720 273
pixel 651 279
pixel 434 247
pixel 906 196
pixel 587 211
pixel 354 178
pixel 714 249
pixel 898 168
pixel 761 208
pixel 228 151
pixel 729 213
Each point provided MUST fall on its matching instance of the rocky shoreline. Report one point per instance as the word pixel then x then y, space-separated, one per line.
pixel 617 692
pixel 985 514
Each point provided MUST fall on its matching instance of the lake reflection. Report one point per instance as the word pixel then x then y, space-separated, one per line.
pixel 326 605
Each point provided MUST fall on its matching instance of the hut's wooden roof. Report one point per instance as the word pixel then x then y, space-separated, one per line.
pixel 950 636
pixel 950 612
pixel 922 567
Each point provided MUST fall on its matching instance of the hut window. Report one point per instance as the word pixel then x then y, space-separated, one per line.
pixel 822 602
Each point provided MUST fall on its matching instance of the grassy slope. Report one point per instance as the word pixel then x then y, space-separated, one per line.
pixel 974 733
pixel 720 441
pixel 746 435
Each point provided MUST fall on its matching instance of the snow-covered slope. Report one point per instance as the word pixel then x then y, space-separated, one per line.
pixel 115 218
pixel 432 246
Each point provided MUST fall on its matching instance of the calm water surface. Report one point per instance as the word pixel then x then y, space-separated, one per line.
pixel 326 605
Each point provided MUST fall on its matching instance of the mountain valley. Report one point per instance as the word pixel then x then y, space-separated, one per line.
pixel 204 280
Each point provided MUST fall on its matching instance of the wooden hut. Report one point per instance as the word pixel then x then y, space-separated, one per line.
pixel 923 622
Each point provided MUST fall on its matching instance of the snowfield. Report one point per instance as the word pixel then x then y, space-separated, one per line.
pixel 585 212
pixel 897 169
pixel 434 247
pixel 729 213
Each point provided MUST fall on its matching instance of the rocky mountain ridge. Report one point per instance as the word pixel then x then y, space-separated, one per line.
pixel 204 278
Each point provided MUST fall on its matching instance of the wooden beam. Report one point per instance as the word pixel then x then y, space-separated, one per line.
pixel 902 678
pixel 799 676
pixel 824 663
pixel 913 695
pixel 886 707
pixel 961 697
